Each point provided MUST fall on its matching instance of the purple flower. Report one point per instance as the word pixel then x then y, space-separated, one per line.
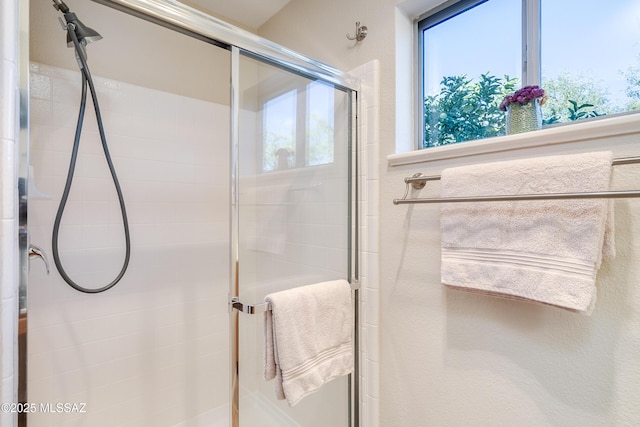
pixel 523 96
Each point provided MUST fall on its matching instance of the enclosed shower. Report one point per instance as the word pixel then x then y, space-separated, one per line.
pixel 232 192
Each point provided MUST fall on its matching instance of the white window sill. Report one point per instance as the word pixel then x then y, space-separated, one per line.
pixel 605 127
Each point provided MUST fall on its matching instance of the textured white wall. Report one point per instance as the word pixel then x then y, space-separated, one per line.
pixel 470 359
pixel 450 358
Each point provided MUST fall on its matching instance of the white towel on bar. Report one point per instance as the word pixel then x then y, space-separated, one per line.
pixel 545 251
pixel 308 338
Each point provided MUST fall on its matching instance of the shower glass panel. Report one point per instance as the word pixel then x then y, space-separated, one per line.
pixel 293 220
pixel 153 350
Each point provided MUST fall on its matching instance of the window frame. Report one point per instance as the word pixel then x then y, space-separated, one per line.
pixel 530 39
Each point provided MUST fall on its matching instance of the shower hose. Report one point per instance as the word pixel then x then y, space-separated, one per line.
pixel 87 80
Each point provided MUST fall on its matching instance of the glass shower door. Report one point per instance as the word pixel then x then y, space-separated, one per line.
pixel 293 220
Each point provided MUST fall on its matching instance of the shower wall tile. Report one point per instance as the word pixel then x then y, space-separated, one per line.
pixel 41 112
pixel 8 87
pixel 373 189
pixel 372 269
pixel 372 372
pixel 8 204
pixel 372 305
pixel 9 40
pixel 8 395
pixel 152 350
pixel 40 86
pixel 372 414
pixel 371 347
pixel 9 259
pixel 369 203
pixel 8 183
pixel 9 317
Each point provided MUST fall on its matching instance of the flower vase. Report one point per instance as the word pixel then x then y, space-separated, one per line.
pixel 524 117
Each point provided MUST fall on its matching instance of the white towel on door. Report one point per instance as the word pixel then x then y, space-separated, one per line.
pixel 308 338
pixel 545 251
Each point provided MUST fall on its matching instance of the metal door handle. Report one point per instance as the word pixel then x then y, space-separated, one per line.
pixel 38 252
pixel 249 309
pixel 265 306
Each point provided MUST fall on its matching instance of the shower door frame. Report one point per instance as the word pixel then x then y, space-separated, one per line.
pixel 352 230
pixel 184 19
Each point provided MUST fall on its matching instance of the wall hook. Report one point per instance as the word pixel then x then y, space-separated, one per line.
pixel 361 33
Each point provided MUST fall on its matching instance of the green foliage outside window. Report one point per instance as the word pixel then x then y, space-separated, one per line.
pixel 632 78
pixel 465 110
pixel 574 97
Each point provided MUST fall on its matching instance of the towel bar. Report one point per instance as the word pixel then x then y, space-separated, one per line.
pixel 418 181
pixel 265 306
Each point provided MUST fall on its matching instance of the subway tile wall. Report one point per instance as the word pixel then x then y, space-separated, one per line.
pixel 153 350
pixel 9 87
pixel 368 199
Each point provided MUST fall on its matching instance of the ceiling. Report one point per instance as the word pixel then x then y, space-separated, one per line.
pixel 249 13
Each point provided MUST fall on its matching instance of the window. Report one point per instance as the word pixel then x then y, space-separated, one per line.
pixel 584 53
pixel 298 128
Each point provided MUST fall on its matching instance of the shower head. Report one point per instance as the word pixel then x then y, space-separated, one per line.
pixel 85 34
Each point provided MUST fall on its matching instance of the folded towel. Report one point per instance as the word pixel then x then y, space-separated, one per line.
pixel 308 336
pixel 545 251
